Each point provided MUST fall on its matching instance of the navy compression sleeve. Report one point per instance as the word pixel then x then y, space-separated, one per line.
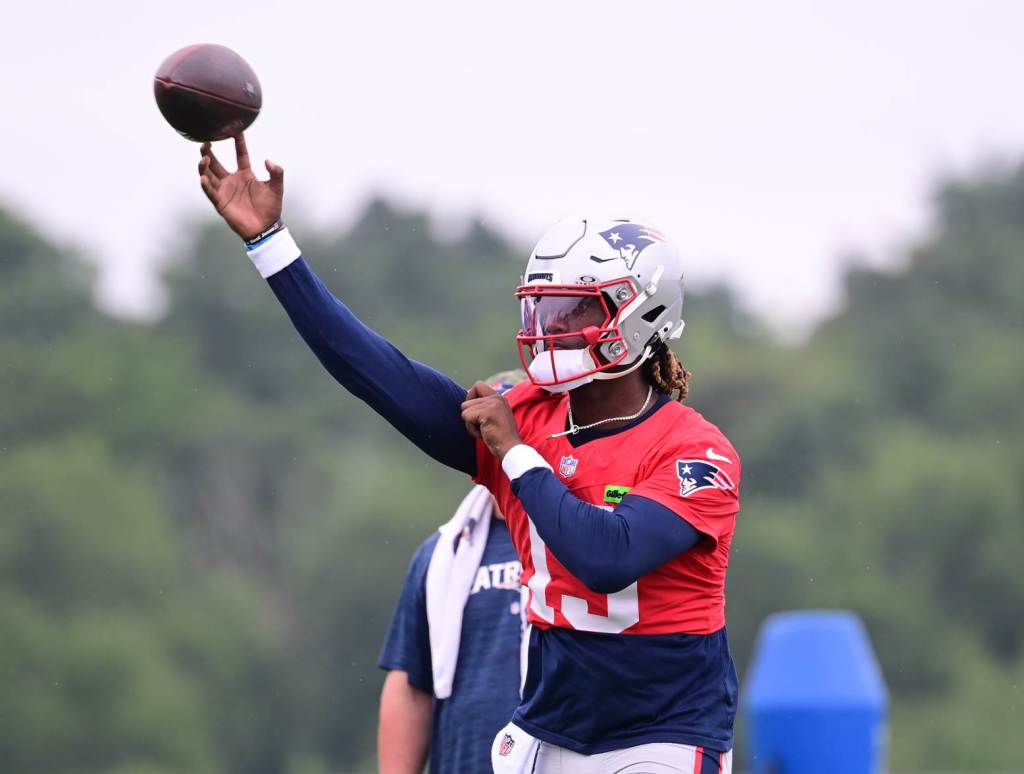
pixel 606 550
pixel 421 403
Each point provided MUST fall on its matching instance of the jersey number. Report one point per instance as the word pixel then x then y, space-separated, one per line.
pixel 623 606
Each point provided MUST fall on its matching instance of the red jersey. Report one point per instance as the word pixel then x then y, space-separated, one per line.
pixel 674 457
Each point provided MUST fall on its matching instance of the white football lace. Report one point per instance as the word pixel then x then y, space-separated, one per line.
pixel 574 428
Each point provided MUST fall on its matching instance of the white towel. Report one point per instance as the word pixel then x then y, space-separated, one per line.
pixel 450 576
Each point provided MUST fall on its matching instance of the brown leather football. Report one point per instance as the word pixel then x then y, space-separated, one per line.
pixel 207 92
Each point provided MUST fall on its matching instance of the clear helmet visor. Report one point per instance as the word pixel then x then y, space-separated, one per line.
pixel 559 321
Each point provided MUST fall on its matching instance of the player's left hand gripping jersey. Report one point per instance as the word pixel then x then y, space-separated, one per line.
pixel 674 457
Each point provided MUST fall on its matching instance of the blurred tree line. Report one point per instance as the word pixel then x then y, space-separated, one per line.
pixel 202 537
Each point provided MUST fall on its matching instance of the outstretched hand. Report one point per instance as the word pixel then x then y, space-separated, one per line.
pixel 248 205
pixel 488 416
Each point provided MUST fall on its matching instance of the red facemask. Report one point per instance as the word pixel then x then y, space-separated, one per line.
pixel 570 317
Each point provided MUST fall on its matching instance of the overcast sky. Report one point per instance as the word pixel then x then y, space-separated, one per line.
pixel 768 139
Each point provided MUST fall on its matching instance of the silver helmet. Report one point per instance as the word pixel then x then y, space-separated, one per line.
pixel 607 290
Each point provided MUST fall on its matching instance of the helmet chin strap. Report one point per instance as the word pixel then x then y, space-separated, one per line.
pixel 538 369
pixel 604 375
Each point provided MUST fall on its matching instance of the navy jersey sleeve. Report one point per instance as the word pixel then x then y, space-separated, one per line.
pixel 606 550
pixel 422 404
pixel 407 645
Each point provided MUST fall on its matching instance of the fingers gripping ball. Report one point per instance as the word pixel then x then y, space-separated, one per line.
pixel 207 92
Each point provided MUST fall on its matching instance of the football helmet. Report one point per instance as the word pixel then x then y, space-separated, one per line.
pixel 598 298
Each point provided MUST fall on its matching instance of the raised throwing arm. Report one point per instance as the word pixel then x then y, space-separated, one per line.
pixel 421 403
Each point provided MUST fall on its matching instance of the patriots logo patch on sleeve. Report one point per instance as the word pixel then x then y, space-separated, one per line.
pixel 700 474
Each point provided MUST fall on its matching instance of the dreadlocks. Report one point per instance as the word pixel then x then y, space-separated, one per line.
pixel 667 374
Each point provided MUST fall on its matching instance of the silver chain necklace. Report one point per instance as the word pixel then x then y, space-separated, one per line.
pixel 574 428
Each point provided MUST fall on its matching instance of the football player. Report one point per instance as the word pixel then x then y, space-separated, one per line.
pixel 621 501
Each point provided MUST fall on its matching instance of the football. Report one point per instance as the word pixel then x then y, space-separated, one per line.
pixel 207 92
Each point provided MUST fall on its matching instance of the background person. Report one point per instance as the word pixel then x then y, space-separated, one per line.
pixel 453 648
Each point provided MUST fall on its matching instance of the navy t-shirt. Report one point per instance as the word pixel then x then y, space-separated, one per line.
pixel 485 691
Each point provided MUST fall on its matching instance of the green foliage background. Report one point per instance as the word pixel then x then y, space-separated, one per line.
pixel 202 536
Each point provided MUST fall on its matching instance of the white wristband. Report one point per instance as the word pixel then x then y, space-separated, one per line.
pixel 274 253
pixel 521 458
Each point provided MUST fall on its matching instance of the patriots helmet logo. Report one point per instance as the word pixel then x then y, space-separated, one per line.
pixel 695 475
pixel 629 240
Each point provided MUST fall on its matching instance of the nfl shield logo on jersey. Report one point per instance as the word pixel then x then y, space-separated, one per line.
pixel 507 743
pixel 568 466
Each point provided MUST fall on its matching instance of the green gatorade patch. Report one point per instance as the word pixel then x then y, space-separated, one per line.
pixel 613 493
